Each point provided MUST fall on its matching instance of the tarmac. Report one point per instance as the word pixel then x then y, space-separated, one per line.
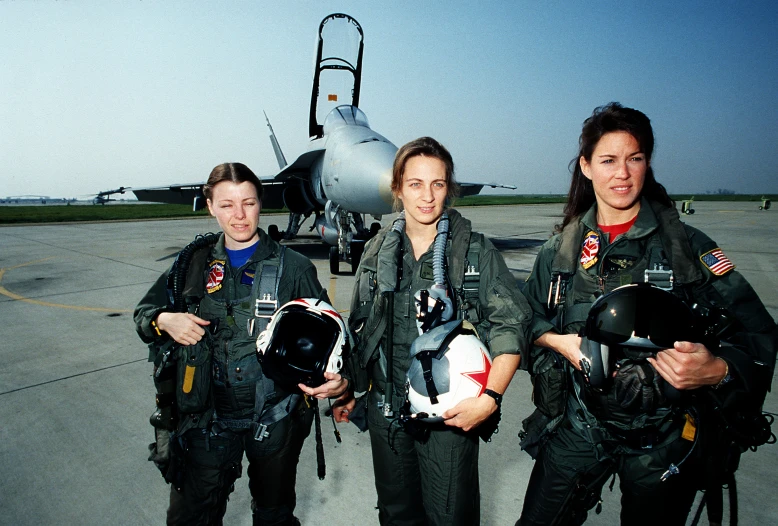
pixel 76 391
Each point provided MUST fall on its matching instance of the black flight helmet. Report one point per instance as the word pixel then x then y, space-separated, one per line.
pixel 638 316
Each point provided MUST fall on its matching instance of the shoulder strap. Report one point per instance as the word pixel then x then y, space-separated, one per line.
pixel 563 268
pixel 566 258
pixel 470 280
pixel 186 276
pixel 676 244
pixel 264 291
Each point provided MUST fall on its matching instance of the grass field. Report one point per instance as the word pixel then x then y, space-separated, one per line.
pixel 124 212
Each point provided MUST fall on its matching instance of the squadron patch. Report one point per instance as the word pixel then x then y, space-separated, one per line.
pixel 590 248
pixel 215 276
pixel 717 262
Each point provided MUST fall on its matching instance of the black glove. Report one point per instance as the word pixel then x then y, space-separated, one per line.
pixel 635 383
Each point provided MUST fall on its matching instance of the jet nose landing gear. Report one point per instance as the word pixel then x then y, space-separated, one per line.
pixel 350 245
pixel 354 255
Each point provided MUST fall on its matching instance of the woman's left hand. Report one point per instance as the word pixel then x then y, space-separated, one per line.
pixel 332 388
pixel 470 412
pixel 689 366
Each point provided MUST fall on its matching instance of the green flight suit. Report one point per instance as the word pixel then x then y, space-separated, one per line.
pixel 432 481
pixel 210 445
pixel 575 461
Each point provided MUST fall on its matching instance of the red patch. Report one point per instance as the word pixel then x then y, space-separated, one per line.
pixel 480 377
pixel 215 276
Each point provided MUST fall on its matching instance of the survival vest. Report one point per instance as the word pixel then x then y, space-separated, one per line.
pixel 370 312
pixel 664 257
pixel 202 382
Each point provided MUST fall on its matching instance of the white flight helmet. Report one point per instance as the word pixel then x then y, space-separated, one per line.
pixel 449 364
pixel 304 339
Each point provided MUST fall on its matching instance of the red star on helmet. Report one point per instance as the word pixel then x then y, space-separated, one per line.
pixel 480 377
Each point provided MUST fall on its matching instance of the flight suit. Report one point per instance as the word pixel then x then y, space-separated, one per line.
pixel 574 459
pixel 432 480
pixel 209 441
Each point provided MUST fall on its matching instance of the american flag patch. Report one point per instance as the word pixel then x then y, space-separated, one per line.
pixel 717 262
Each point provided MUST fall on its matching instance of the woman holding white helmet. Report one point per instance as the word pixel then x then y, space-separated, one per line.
pixel 429 256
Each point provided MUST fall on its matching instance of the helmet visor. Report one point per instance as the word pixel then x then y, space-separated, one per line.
pixel 640 315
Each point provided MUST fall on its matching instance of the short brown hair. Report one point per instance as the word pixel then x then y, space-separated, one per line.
pixel 426 147
pixel 233 172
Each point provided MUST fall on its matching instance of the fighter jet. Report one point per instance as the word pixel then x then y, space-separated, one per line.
pixel 345 175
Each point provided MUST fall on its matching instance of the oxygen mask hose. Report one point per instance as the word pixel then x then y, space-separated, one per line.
pixel 434 306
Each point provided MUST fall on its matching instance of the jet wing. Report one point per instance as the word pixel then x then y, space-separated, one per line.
pixel 467 189
pixel 185 194
pixel 302 165
pixel 174 194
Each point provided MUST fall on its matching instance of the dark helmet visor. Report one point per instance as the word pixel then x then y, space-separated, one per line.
pixel 640 315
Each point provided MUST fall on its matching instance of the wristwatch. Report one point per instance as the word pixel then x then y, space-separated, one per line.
pixel 494 394
pixel 727 377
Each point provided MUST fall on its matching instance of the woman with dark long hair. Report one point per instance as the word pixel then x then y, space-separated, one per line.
pixel 621 228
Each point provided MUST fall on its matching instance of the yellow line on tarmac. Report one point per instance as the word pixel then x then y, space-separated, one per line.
pixel 12 295
pixel 331 289
pixel 331 293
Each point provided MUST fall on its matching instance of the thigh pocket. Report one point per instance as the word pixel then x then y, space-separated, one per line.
pixel 194 376
pixel 549 384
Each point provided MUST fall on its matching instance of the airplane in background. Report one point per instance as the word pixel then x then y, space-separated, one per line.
pixel 346 172
pixel 100 198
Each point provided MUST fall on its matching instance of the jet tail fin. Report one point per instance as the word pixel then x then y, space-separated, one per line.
pixel 276 147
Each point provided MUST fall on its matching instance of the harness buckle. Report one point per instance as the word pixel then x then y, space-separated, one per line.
pixel 660 278
pixel 265 307
pixel 261 432
pixel 385 406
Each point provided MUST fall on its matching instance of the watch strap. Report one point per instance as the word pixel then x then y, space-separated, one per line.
pixel 494 394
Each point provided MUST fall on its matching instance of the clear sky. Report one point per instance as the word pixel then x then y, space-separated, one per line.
pixel 96 95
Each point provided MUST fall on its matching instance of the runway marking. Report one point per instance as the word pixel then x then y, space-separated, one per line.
pixel 331 293
pixel 5 292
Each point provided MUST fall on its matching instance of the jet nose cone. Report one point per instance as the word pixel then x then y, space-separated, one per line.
pixel 366 175
pixel 377 159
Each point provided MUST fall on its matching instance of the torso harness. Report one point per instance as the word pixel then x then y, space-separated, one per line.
pixel 186 292
pixel 377 293
pixel 667 262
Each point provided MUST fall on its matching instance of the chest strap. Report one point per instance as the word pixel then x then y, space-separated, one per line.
pixel 265 292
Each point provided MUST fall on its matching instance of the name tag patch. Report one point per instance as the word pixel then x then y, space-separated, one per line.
pixel 247 278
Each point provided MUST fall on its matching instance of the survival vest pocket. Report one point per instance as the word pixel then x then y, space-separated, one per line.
pixel 194 376
pixel 549 382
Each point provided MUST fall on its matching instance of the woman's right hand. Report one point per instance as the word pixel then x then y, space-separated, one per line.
pixel 183 327
pixel 343 406
pixel 568 345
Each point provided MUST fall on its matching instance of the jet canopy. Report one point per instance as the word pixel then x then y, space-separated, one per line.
pixel 345 115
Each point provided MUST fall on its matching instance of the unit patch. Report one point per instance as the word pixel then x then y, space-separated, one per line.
pixel 717 262
pixel 215 276
pixel 590 248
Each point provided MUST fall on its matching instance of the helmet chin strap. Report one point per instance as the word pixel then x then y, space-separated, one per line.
pixel 433 305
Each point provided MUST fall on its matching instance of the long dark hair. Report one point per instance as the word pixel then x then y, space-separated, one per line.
pixel 233 172
pixel 612 117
